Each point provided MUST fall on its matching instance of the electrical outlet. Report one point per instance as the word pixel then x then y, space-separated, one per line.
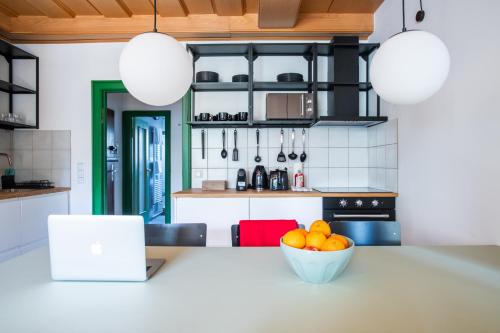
pixel 80 173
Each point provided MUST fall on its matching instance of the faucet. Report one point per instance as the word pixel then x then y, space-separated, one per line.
pixel 8 158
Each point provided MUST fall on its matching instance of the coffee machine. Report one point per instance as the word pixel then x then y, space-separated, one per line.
pixel 241 180
pixel 278 180
pixel 259 178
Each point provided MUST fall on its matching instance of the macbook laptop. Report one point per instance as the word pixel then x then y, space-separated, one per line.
pixel 99 248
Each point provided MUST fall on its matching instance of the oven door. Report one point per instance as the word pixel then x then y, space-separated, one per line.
pixel 369 233
pixel 359 215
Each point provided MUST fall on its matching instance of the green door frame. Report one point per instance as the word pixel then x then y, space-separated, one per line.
pixel 127 132
pixel 100 89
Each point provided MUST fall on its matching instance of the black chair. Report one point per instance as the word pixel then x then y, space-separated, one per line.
pixel 235 234
pixel 176 234
pixel 369 233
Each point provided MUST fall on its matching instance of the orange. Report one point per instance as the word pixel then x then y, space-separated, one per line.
pixel 302 231
pixel 294 238
pixel 332 244
pixel 315 239
pixel 341 239
pixel 321 226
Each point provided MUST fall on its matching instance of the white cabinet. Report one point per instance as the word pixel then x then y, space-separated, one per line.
pixel 304 210
pixel 10 228
pixel 34 213
pixel 23 222
pixel 218 213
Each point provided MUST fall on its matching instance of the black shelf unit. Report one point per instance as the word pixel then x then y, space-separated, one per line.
pixel 12 53
pixel 309 51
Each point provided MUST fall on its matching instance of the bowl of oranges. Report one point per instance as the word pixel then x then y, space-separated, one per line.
pixel 317 255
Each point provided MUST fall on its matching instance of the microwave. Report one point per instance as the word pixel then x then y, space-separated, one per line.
pixel 289 106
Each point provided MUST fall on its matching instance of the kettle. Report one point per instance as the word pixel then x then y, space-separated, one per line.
pixel 259 178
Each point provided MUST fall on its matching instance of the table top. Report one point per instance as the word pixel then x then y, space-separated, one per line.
pixel 384 289
pixel 343 192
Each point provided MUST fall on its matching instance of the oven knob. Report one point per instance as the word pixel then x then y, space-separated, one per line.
pixel 359 203
pixel 375 203
pixel 343 203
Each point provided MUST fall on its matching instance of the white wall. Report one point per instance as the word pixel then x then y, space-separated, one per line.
pixel 449 157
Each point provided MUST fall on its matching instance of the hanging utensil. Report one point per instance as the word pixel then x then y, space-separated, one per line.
pixel 235 150
pixel 257 157
pixel 281 155
pixel 202 144
pixel 223 153
pixel 292 155
pixel 303 156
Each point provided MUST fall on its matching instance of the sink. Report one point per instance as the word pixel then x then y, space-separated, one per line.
pixel 16 190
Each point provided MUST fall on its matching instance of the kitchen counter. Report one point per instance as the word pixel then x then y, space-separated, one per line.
pixel 247 290
pixel 231 193
pixel 5 194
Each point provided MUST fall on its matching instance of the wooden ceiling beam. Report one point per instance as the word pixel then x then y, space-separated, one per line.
pixel 358 6
pixel 20 7
pixel 171 8
pixel 278 13
pixel 315 6
pixel 229 7
pixel 199 6
pixel 111 8
pixel 79 7
pixel 139 7
pixel 5 22
pixel 50 8
pixel 251 6
pixel 36 29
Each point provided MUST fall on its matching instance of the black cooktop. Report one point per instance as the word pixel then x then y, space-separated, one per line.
pixel 349 190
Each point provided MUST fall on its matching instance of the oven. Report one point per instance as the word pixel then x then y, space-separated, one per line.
pixel 366 220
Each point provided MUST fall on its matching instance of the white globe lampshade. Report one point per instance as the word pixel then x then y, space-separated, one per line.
pixel 156 69
pixel 410 67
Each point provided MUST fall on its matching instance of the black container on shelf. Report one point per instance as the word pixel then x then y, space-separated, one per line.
pixel 241 116
pixel 240 78
pixel 207 76
pixel 290 77
pixel 8 182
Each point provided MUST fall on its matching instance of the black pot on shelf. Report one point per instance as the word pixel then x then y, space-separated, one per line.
pixel 204 116
pixel 241 116
pixel 222 116
pixel 207 76
pixel 290 77
pixel 240 78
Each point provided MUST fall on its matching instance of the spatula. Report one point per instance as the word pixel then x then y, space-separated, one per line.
pixel 235 150
pixel 281 155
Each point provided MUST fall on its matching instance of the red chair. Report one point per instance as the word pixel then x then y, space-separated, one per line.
pixel 261 232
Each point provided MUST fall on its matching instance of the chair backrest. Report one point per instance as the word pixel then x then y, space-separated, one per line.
pixel 176 234
pixel 363 233
pixel 235 234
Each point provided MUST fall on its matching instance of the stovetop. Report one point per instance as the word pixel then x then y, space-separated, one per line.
pixel 349 190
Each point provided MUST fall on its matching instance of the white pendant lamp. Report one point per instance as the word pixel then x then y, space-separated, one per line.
pixel 410 66
pixel 155 68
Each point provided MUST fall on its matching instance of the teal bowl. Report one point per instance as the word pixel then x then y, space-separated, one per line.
pixel 317 266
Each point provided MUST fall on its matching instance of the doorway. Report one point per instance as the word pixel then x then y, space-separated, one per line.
pixel 146 165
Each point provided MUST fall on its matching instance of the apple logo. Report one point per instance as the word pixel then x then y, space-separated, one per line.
pixel 96 248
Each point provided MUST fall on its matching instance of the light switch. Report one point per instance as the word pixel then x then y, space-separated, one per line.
pixel 80 173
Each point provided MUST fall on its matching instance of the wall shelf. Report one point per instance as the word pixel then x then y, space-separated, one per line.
pixel 309 51
pixel 11 54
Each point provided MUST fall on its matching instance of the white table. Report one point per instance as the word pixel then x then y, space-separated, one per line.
pixel 400 289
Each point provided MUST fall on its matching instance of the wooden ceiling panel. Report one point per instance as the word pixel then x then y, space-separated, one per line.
pixel 228 7
pixel 170 8
pixel 79 7
pixel 358 6
pixel 20 7
pixel 110 8
pixel 315 6
pixel 199 6
pixel 139 7
pixel 6 11
pixel 251 6
pixel 50 8
pixel 278 13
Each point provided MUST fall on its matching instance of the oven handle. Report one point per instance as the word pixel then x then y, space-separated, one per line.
pixel 371 216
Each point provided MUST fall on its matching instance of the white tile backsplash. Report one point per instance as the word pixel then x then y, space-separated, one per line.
pixel 5 140
pixel 336 156
pixel 23 159
pixel 197 162
pixel 197 177
pixel 61 159
pixel 42 140
pixel 61 140
pixel 42 159
pixel 23 140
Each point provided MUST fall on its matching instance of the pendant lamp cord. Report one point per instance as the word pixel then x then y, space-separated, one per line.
pixel 404 18
pixel 154 28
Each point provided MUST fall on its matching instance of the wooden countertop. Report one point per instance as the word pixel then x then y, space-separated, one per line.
pixel 246 290
pixel 29 192
pixel 231 193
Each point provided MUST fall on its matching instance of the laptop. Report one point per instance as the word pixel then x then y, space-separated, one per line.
pixel 99 248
